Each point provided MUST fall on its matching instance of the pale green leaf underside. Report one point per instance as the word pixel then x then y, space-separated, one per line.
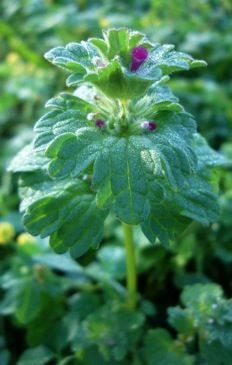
pixel 28 160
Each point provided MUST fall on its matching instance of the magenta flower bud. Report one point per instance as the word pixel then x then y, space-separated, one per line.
pixel 150 126
pixel 139 55
pixel 100 123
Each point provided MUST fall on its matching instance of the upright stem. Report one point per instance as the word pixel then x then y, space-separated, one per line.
pixel 131 266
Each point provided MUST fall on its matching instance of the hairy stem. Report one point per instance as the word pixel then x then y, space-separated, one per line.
pixel 131 266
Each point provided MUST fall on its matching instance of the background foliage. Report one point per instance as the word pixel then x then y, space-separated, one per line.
pixel 54 310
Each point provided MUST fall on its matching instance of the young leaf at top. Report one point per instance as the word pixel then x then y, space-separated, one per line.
pixel 107 63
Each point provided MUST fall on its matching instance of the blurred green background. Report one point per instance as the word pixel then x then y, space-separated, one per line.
pixel 29 28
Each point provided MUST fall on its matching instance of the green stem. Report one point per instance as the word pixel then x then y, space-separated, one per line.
pixel 131 266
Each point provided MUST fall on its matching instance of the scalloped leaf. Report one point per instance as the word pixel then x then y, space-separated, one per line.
pixel 67 201
pixel 169 60
pixel 28 160
pixel 158 98
pixel 71 153
pixel 74 57
pixel 69 113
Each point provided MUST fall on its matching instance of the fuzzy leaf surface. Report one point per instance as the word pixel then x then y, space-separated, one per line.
pixel 53 207
pixel 67 115
pixel 125 167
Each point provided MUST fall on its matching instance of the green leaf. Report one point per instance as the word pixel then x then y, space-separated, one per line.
pixel 207 156
pixel 82 305
pixel 73 153
pixel 158 98
pixel 121 41
pixel 92 356
pixel 74 57
pixel 201 297
pixel 69 114
pixel 113 329
pixel 181 319
pixel 127 183
pixel 169 60
pixel 61 263
pixel 172 146
pixel 160 348
pixel 37 184
pixel 164 223
pixel 100 44
pixel 117 82
pixel 28 302
pixel 27 160
pixel 207 314
pixel 40 355
pixel 215 354
pixel 39 330
pixel 67 202
pixel 193 198
pixel 198 201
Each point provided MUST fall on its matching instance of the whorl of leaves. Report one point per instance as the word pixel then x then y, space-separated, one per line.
pixel 78 170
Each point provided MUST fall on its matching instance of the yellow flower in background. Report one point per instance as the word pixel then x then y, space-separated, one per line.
pixel 25 238
pixel 104 23
pixel 7 232
pixel 13 57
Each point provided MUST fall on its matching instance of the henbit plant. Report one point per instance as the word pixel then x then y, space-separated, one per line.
pixel 120 143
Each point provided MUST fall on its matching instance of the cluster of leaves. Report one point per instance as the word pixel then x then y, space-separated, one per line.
pixel 77 171
pixel 206 317
pixel 29 28
pixel 89 323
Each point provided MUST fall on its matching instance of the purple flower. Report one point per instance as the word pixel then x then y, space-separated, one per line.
pixel 100 123
pixel 139 55
pixel 150 126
